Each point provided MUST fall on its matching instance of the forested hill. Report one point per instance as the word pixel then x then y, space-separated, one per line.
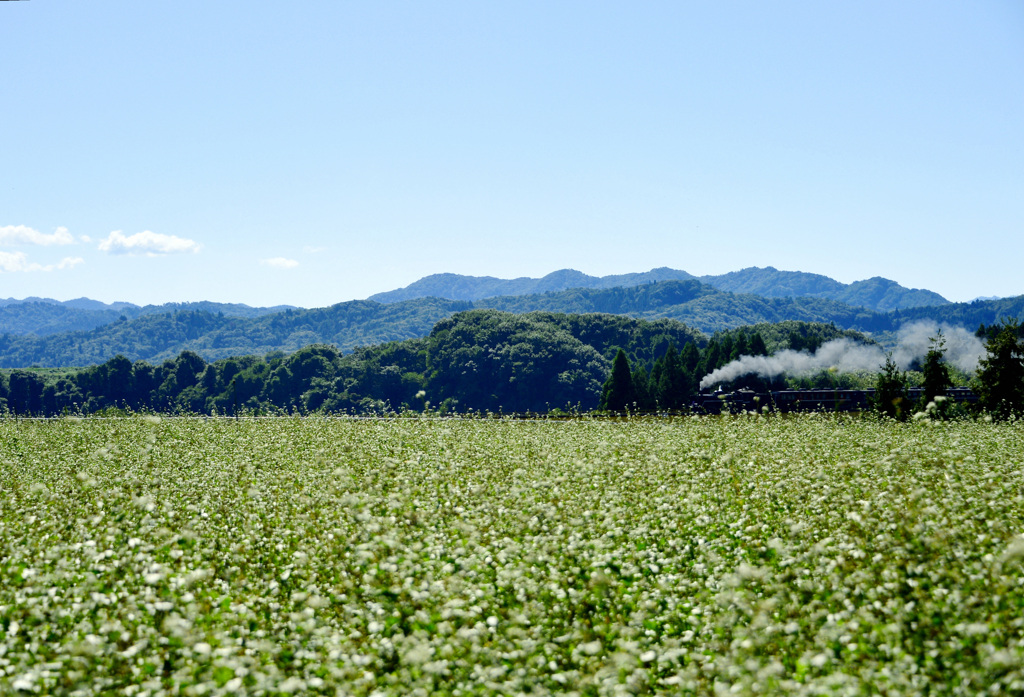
pixel 42 316
pixel 160 336
pixel 457 287
pixel 363 323
pixel 968 315
pixel 695 304
pixel 878 294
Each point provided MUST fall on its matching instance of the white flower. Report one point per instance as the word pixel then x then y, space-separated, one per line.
pixel 25 683
pixel 292 684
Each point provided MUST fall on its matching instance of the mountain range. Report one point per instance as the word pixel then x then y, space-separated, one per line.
pixel 879 294
pixel 48 333
pixel 45 316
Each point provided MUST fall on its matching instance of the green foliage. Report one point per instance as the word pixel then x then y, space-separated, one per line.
pixel 831 380
pixel 495 361
pixel 672 383
pixel 1000 380
pixel 890 397
pixel 619 394
pixel 799 336
pixel 935 372
pixel 480 360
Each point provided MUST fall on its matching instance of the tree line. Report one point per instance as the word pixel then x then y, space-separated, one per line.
pixel 475 361
pixel 999 382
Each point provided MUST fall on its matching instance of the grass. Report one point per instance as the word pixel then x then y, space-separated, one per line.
pixel 735 555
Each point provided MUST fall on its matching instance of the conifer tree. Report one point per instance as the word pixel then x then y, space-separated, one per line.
pixel 645 400
pixel 672 389
pixel 891 391
pixel 935 371
pixel 690 356
pixel 741 347
pixel 757 345
pixel 618 393
pixel 1000 383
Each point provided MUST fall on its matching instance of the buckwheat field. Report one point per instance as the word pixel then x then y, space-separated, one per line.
pixel 713 555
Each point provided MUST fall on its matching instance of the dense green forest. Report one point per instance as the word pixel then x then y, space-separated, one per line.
pixel 158 337
pixel 478 360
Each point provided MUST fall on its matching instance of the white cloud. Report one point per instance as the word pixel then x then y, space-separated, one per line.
pixel 22 234
pixel 146 242
pixel 280 263
pixel 13 262
pixel 85 238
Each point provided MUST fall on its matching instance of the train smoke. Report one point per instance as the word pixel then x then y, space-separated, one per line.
pixel 963 350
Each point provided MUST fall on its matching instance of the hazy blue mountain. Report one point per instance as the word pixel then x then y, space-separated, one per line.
pixel 44 316
pixel 769 282
pixel 695 304
pixel 457 287
pixel 160 336
pixel 226 309
pixel 90 304
pixel 878 294
pixel 884 295
pixel 77 303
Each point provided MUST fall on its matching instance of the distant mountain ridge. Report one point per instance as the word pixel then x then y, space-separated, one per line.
pixel 45 316
pixel 456 287
pixel 77 303
pixel 348 325
pixel 877 293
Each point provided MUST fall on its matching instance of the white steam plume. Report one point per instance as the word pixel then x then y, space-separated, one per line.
pixel 963 350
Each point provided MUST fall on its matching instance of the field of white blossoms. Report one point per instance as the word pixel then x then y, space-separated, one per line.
pixel 732 555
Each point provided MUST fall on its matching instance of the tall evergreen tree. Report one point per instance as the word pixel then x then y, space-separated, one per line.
pixel 741 347
pixel 757 345
pixel 672 389
pixel 935 370
pixel 645 400
pixel 710 358
pixel 690 356
pixel 618 393
pixel 891 391
pixel 1000 382
pixel 725 352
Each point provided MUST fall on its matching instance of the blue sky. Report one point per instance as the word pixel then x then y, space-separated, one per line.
pixel 310 153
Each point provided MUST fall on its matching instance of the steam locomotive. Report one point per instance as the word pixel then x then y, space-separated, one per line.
pixel 719 402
